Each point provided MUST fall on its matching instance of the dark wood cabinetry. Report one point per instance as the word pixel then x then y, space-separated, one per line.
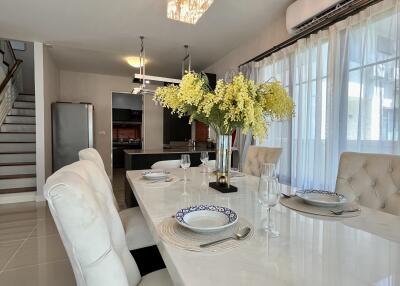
pixel 140 160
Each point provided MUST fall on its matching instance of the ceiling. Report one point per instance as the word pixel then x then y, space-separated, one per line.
pixel 96 35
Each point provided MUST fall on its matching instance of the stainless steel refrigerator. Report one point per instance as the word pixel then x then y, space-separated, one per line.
pixel 72 131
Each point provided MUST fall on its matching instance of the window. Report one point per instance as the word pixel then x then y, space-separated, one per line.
pixel 345 83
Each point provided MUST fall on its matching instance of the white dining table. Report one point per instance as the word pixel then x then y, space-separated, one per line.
pixel 311 250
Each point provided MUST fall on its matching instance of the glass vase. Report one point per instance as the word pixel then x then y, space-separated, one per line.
pixel 223 159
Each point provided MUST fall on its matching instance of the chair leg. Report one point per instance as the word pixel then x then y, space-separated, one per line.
pixel 148 259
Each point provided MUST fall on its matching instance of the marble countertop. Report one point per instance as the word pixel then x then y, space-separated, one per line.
pixel 167 151
pixel 311 250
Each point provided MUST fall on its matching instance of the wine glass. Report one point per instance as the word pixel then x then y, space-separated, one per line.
pixel 204 159
pixel 268 195
pixel 185 164
pixel 268 170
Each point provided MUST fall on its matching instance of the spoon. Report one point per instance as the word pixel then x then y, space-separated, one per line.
pixel 339 212
pixel 287 196
pixel 241 234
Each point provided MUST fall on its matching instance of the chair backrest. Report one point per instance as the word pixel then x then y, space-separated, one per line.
pixel 93 155
pixel 256 156
pixel 94 176
pixel 372 180
pixel 91 231
pixel 169 164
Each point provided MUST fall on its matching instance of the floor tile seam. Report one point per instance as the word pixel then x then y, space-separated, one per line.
pixel 33 265
pixel 16 251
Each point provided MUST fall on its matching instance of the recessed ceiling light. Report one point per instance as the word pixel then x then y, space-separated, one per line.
pixel 188 11
pixel 134 61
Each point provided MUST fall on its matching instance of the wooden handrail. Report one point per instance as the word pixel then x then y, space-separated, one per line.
pixel 12 50
pixel 10 74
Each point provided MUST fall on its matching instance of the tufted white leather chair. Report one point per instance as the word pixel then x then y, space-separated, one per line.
pixel 256 156
pixel 93 155
pixel 167 164
pixel 137 232
pixel 92 234
pixel 372 180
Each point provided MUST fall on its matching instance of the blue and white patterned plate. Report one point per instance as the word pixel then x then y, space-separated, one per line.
pixel 322 198
pixel 206 218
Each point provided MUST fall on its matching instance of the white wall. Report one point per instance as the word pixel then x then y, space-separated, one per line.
pixel 51 94
pixel 153 121
pixel 97 89
pixel 272 35
pixel 47 87
pixel 40 123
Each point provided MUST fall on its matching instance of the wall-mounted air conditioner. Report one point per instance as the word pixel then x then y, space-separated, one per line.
pixel 302 14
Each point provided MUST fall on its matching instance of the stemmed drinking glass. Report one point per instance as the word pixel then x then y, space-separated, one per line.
pixel 268 194
pixel 204 160
pixel 185 164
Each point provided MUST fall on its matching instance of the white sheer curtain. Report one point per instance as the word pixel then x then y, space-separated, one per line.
pixel 345 83
pixel 279 133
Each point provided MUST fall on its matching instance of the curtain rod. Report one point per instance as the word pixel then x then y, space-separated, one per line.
pixel 353 8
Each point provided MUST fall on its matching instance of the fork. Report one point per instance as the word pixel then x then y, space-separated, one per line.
pixel 339 212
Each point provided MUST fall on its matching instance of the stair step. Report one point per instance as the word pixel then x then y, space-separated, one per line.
pixel 17 164
pixel 26 98
pixel 13 158
pixel 26 93
pixel 23 104
pixel 18 190
pixel 8 177
pixel 22 111
pixel 6 127
pixel 6 147
pixel 17 137
pixel 20 119
pixel 17 169
pixel 17 181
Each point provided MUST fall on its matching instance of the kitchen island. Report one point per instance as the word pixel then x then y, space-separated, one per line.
pixel 143 159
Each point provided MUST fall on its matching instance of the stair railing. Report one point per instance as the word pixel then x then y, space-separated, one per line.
pixel 8 87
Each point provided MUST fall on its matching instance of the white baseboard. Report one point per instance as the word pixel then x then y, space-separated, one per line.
pixel 18 198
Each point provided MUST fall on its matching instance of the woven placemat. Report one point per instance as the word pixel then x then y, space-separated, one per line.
pixel 173 233
pixel 157 184
pixel 298 204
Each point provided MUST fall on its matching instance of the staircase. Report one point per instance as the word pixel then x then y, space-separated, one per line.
pixel 17 130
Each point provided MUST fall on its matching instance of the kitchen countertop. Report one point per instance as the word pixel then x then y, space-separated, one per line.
pixel 167 151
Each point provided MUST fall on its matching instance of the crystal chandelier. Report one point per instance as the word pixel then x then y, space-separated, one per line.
pixel 188 11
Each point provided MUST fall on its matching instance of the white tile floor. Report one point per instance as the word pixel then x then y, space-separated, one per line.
pixel 31 251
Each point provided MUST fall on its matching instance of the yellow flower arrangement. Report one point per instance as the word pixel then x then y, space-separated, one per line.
pixel 240 104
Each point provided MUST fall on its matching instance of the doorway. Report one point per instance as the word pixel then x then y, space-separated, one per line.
pixel 127 133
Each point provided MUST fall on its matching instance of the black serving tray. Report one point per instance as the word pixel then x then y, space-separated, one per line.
pixel 223 189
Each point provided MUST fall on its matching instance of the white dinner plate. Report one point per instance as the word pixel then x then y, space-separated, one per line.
pixel 155 175
pixel 322 198
pixel 206 218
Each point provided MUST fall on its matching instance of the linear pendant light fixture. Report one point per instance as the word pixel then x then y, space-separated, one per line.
pixel 142 90
pixel 187 58
pixel 187 11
